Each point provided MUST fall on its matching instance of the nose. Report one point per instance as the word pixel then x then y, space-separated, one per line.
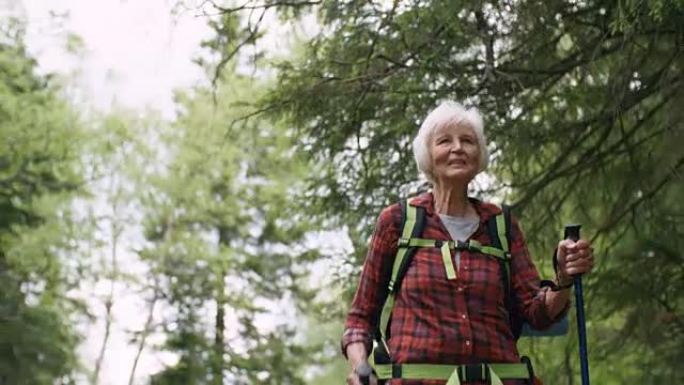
pixel 456 146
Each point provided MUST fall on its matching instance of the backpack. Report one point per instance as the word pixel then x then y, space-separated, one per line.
pixel 499 231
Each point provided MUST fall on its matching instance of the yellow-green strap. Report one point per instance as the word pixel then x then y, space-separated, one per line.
pixel 405 234
pixel 385 315
pixel 410 220
pixel 398 259
pixel 409 224
pixel 497 372
pixel 448 263
pixel 455 380
pixel 493 251
pixel 501 230
pixel 417 242
pixel 471 245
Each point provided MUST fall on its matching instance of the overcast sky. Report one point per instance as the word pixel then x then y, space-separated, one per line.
pixel 135 52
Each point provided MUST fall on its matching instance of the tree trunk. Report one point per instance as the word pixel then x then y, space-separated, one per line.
pixel 109 300
pixel 219 326
pixel 143 337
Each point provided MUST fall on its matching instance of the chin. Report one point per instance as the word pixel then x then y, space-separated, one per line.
pixel 459 177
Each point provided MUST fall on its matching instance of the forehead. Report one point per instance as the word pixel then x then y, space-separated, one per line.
pixel 454 128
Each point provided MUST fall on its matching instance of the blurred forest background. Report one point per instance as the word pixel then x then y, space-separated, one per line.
pixel 251 208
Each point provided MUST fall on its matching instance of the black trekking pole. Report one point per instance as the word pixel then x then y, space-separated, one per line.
pixel 572 232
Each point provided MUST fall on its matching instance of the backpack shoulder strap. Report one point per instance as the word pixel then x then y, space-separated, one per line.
pixel 499 229
pixel 506 211
pixel 413 223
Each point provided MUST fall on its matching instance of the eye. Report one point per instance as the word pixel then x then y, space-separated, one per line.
pixel 443 139
pixel 468 139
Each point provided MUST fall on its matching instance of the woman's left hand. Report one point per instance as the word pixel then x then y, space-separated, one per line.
pixel 573 258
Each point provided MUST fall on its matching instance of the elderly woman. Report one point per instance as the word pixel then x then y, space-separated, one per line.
pixel 450 310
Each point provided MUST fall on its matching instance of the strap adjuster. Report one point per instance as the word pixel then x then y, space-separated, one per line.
pixel 396 371
pixel 460 245
pixel 475 372
pixel 404 242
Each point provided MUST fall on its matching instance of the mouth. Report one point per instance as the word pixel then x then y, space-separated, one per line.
pixel 457 162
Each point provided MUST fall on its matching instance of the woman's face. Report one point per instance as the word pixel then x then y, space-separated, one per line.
pixel 455 153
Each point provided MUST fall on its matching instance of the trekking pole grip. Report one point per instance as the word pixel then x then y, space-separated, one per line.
pixel 572 232
pixel 364 371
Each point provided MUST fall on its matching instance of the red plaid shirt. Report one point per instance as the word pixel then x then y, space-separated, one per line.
pixel 440 321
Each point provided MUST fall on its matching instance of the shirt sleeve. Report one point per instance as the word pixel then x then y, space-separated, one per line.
pixel 372 289
pixel 526 284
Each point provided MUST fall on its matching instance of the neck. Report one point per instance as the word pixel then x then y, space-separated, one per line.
pixel 452 200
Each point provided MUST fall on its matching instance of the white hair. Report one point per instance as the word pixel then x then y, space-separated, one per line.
pixel 445 114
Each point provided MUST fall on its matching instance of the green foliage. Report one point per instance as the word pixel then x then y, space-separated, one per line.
pixel 40 175
pixel 227 240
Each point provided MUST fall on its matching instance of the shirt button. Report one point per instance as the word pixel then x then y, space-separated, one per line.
pixel 463 316
pixel 468 342
pixel 460 289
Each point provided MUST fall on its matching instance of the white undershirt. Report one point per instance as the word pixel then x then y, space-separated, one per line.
pixel 460 229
